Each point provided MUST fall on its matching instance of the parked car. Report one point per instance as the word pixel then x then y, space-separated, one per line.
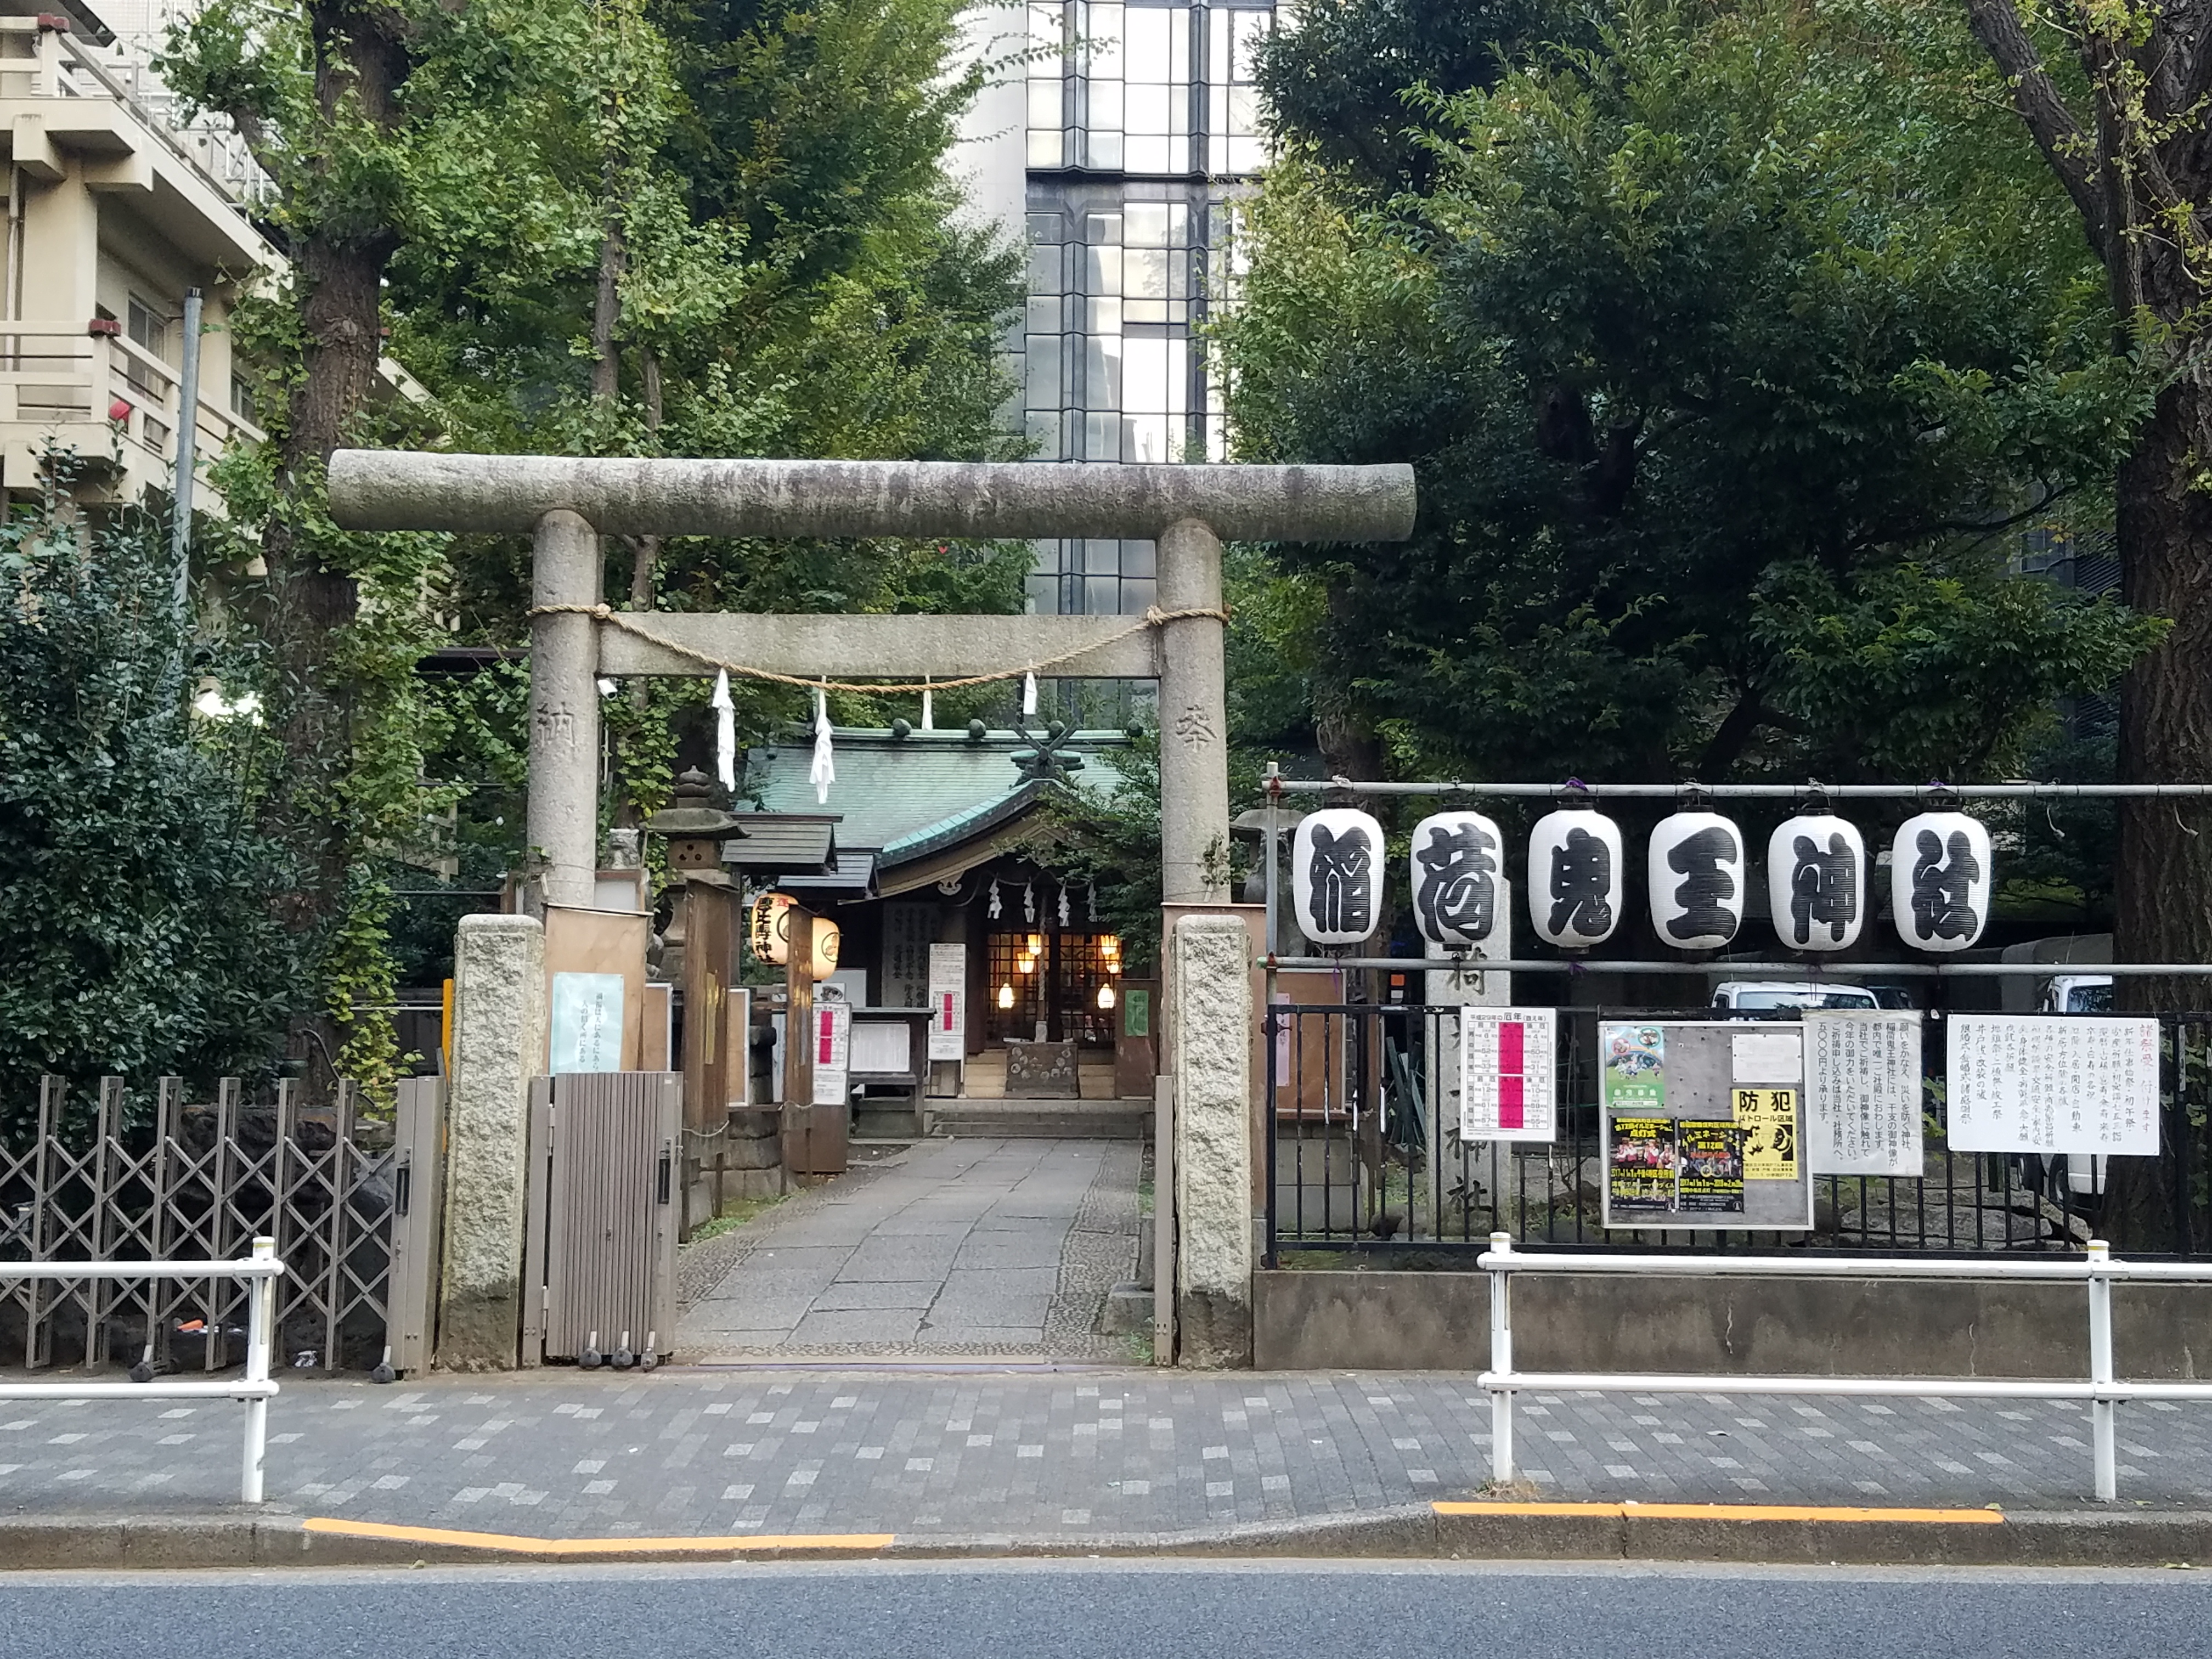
pixel 2077 993
pixel 1767 996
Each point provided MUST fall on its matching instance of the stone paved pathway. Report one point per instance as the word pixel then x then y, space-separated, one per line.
pixel 1026 1454
pixel 953 1248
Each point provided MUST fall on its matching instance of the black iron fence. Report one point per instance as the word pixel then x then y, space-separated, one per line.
pixel 1363 1152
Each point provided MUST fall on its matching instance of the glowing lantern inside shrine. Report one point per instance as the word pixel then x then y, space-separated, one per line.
pixel 828 936
pixel 1695 872
pixel 1816 882
pixel 1939 881
pixel 1106 994
pixel 1457 865
pixel 1574 877
pixel 1336 875
pixel 1007 996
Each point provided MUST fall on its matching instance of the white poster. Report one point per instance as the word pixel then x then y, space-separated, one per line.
pixel 588 1022
pixel 1509 1088
pixel 832 1038
pixel 1862 1093
pixel 2025 1083
pixel 948 1001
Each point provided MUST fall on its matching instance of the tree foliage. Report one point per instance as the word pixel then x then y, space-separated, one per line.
pixel 1730 351
pixel 585 227
pixel 138 930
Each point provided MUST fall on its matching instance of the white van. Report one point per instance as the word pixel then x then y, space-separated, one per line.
pixel 1767 995
pixel 2077 993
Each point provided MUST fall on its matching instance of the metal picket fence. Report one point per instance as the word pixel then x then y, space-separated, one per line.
pixel 200 1182
pixel 1360 1157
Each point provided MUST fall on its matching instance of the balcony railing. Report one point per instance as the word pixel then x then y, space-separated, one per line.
pixel 57 376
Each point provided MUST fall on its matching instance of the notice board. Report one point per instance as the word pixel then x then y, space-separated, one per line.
pixel 1703 1125
pixel 2053 1084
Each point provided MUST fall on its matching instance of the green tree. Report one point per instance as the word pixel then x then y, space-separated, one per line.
pixel 2115 96
pixel 1730 354
pixel 138 932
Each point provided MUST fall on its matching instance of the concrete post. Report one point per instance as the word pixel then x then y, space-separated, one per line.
pixel 1210 993
pixel 564 710
pixel 499 1045
pixel 1194 722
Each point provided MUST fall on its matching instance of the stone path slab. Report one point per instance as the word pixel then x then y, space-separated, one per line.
pixel 1041 1453
pixel 982 1247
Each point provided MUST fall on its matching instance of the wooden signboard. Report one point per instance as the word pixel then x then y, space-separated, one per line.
pixel 710 931
pixel 579 941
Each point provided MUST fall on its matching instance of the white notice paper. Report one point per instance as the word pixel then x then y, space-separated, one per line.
pixel 1767 1057
pixel 1862 1093
pixel 833 1047
pixel 2053 1084
pixel 1508 1087
pixel 948 1001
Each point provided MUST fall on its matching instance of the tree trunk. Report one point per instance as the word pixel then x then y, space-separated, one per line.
pixel 340 266
pixel 2163 887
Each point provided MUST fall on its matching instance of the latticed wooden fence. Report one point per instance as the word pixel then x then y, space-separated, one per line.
pixel 200 1182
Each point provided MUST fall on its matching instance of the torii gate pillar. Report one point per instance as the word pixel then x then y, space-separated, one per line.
pixel 1194 721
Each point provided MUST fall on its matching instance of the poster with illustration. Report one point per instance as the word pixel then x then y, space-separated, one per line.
pixel 1635 1077
pixel 1642 1173
pixel 1712 1155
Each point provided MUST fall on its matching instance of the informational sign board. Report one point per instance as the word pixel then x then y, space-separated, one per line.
pixel 832 1038
pixel 1508 1082
pixel 2035 1084
pixel 1137 1012
pixel 1703 1125
pixel 588 1022
pixel 1862 1113
pixel 948 1001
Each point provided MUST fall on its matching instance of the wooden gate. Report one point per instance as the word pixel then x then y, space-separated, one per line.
pixel 604 1210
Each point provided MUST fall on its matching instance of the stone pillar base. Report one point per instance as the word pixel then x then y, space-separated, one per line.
pixel 1211 988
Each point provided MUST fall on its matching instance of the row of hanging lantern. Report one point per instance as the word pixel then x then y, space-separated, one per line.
pixel 1816 879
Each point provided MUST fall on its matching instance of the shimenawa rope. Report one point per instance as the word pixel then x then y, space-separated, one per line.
pixel 629 623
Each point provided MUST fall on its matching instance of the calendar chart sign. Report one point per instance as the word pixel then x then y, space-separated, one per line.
pixel 1862 1093
pixel 1509 1088
pixel 2042 1083
pixel 948 1001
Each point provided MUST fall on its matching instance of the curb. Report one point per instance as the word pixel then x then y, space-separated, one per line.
pixel 1499 1532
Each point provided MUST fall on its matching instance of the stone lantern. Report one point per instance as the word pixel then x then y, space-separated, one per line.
pixel 694 828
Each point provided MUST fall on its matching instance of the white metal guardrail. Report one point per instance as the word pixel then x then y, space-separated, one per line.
pixel 2098 1270
pixel 261 1270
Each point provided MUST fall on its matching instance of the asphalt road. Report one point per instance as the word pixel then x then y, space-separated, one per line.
pixel 1107 1610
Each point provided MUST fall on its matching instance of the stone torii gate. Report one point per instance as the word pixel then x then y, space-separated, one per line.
pixel 567 504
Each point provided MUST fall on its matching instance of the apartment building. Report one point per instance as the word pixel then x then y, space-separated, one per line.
pixel 114 214
pixel 1113 139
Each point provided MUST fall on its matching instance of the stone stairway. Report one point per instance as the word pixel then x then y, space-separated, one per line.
pixel 1030 1120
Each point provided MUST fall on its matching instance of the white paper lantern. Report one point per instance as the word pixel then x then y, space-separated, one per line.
pixel 768 927
pixel 1816 882
pixel 1336 875
pixel 1939 881
pixel 1457 864
pixel 1696 874
pixel 1574 877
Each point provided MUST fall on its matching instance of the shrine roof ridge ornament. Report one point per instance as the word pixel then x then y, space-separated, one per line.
pixel 404 489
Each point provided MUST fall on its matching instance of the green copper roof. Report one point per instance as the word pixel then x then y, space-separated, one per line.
pixel 912 794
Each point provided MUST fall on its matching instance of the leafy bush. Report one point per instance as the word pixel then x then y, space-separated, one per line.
pixel 138 931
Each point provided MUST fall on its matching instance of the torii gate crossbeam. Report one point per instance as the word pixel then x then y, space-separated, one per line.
pixel 568 503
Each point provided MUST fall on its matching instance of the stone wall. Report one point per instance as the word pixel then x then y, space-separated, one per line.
pixel 1822 1328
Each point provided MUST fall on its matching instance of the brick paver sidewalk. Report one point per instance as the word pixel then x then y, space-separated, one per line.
pixel 1039 1454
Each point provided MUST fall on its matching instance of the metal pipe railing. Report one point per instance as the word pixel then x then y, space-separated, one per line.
pixel 1795 971
pixel 256 1388
pixel 2098 1270
pixel 1574 789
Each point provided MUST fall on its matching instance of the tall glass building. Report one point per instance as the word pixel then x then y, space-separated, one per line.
pixel 1115 136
